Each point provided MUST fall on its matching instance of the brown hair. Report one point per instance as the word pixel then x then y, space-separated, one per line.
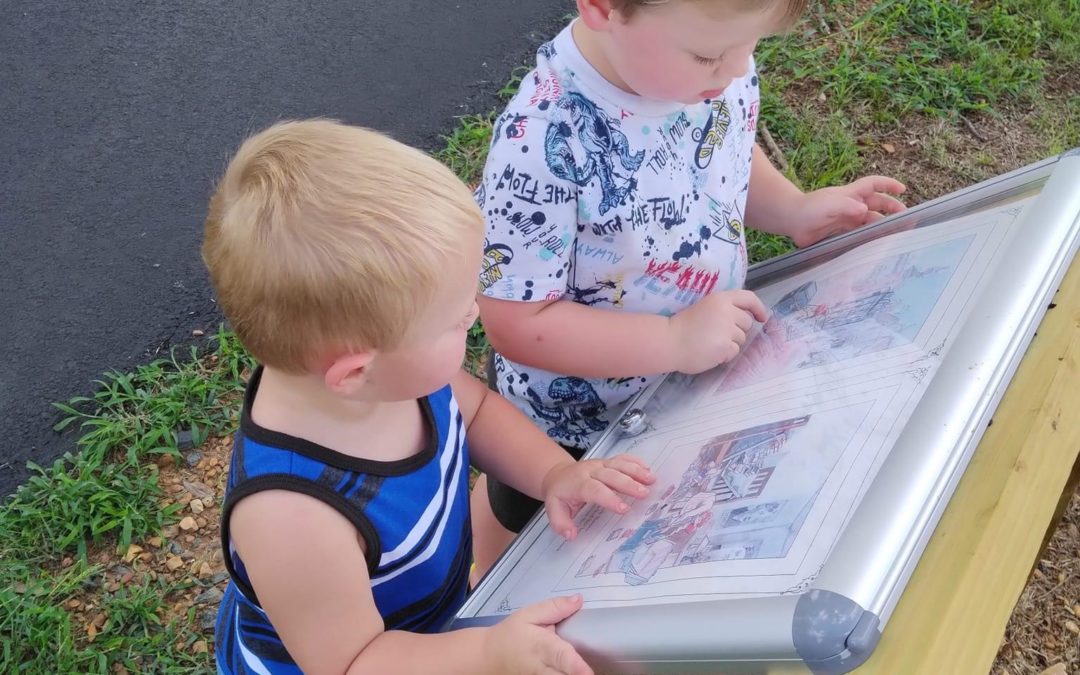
pixel 325 236
pixel 794 8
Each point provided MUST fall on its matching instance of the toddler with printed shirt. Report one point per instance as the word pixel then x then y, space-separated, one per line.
pixel 619 185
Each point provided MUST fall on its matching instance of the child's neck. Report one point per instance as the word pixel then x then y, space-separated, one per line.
pixel 300 406
pixel 591 45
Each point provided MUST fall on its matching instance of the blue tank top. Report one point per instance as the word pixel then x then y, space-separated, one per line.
pixel 413 515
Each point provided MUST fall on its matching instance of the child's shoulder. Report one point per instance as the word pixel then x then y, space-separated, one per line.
pixel 538 93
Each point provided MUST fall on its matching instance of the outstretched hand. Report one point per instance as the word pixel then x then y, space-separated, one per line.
pixel 569 486
pixel 834 210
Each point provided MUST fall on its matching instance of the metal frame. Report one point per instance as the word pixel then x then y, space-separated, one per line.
pixel 833 626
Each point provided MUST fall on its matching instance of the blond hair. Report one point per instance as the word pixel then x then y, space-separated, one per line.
pixel 793 9
pixel 322 236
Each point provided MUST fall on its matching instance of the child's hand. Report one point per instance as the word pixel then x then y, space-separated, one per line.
pixel 571 485
pixel 835 210
pixel 714 329
pixel 525 642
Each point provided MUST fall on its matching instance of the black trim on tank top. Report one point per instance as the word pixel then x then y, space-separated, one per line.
pixel 321 453
pixel 293 483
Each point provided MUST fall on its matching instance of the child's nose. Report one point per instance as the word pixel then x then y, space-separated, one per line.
pixel 736 64
pixel 733 69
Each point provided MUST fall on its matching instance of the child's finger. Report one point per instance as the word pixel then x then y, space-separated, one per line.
pixel 632 458
pixel 621 482
pixel 884 203
pixel 750 302
pixel 597 491
pixel 869 184
pixel 849 207
pixel 551 611
pixel 633 467
pixel 561 518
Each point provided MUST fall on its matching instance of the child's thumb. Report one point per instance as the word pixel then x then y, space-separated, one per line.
pixel 551 611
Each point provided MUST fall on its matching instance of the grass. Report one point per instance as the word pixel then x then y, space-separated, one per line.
pixel 857 69
pixel 852 77
pixel 107 495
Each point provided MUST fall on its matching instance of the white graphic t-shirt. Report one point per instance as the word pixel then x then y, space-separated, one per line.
pixel 600 197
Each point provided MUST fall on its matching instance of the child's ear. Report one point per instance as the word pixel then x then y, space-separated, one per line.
pixel 596 14
pixel 348 373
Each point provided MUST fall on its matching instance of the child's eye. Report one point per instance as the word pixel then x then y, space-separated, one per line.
pixel 705 61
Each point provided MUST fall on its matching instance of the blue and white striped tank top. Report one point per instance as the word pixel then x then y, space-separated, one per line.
pixel 413 515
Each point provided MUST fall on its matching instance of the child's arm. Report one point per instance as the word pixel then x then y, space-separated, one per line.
pixel 507 445
pixel 306 563
pixel 568 337
pixel 775 205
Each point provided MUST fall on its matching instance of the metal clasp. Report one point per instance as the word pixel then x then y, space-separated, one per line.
pixel 633 422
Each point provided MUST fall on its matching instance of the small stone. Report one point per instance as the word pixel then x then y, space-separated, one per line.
pixel 67 562
pixel 200 490
pixel 91 632
pixel 175 548
pixel 202 522
pixel 193 458
pixel 187 556
pixel 169 531
pixel 210 596
pixel 207 620
pixel 132 551
pixel 888 147
pixel 208 502
pixel 173 563
pixel 1072 627
pixel 1056 669
pixel 188 524
pixel 154 541
pixel 196 506
pixel 146 556
pixel 99 620
pixel 74 603
pixel 205 571
pixel 199 647
pixel 126 579
pixel 219 577
pixel 198 333
pixel 189 538
pixel 112 587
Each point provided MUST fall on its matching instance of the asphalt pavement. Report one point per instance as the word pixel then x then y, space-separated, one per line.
pixel 115 120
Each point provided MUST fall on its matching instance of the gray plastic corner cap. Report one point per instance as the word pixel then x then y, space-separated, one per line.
pixel 832 633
